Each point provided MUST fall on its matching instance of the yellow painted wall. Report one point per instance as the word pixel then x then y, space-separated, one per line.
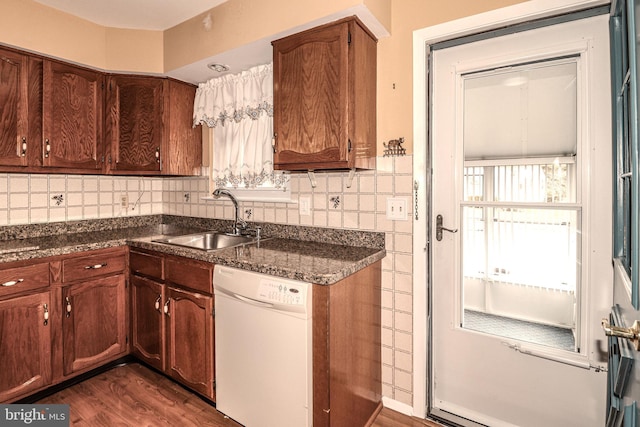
pixel 240 22
pixel 135 51
pixel 32 26
pixel 395 59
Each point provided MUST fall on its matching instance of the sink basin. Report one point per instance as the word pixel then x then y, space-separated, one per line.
pixel 207 241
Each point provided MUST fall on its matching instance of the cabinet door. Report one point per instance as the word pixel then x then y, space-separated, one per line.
pixel 13 108
pixel 310 97
pixel 134 123
pixel 190 357
pixel 182 152
pixel 72 117
pixel 147 321
pixel 94 322
pixel 25 345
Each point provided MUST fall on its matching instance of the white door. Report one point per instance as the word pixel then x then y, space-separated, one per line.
pixel 521 227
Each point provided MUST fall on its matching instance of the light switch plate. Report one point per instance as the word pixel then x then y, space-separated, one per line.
pixel 397 209
pixel 304 206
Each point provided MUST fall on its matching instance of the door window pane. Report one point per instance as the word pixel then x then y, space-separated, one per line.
pixel 521 217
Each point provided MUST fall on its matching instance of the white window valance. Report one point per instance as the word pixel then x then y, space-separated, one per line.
pixel 239 108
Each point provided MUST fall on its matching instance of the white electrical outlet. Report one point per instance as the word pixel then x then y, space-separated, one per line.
pixel 397 209
pixel 304 206
pixel 124 201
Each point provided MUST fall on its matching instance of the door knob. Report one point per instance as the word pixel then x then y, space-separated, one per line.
pixel 440 228
pixel 632 333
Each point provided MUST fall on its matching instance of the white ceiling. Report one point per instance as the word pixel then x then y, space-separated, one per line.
pixel 134 14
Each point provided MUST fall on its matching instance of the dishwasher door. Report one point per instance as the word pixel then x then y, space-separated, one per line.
pixel 263 349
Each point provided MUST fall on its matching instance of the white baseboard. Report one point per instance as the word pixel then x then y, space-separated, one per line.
pixel 403 408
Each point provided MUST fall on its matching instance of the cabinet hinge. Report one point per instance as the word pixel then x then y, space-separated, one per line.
pixel 213 312
pixel 126 339
pixel 349 38
pixel 349 146
pixel 214 384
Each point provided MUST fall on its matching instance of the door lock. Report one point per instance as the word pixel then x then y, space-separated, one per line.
pixel 632 333
pixel 440 228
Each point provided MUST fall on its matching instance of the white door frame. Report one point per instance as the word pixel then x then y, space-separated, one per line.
pixel 522 12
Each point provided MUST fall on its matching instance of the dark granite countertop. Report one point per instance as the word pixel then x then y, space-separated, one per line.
pixel 319 262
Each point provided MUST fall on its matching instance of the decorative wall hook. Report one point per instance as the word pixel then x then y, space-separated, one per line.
pixel 394 147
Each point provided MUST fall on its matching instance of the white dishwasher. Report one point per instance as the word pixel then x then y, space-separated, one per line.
pixel 263 348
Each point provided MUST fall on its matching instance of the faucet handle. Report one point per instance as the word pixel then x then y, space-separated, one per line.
pixel 257 230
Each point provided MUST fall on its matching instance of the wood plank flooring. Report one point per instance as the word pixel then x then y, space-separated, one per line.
pixel 132 395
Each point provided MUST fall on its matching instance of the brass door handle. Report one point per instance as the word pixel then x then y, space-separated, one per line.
pixel 632 333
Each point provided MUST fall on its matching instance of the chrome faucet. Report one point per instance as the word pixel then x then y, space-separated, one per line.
pixel 239 224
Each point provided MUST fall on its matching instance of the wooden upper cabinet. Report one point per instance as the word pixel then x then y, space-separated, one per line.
pixel 149 126
pixel 13 108
pixel 72 117
pixel 324 97
pixel 134 123
pixel 182 152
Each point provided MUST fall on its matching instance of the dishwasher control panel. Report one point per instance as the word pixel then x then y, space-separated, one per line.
pixel 272 290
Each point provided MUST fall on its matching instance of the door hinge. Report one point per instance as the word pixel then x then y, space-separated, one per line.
pixel 349 38
pixel 349 146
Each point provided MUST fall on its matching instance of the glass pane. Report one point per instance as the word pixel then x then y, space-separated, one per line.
pixel 520 217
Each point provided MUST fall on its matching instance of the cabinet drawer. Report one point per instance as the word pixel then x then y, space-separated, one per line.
pixel 85 267
pixel 21 279
pixel 196 275
pixel 146 264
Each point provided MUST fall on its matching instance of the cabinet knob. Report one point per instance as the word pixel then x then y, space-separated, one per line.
pixel 157 154
pixel 166 308
pixel 46 314
pixel 23 151
pixel 47 148
pixel 68 302
pixel 157 304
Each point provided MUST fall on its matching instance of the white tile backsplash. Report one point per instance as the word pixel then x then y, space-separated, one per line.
pixel 28 199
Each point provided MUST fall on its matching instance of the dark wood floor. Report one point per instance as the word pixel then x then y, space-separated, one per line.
pixel 133 395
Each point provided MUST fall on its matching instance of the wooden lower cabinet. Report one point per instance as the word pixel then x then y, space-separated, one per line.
pixel 172 322
pixel 189 331
pixel 147 321
pixel 59 317
pixel 347 359
pixel 94 323
pixel 25 347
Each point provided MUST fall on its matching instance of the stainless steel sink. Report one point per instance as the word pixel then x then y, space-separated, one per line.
pixel 207 241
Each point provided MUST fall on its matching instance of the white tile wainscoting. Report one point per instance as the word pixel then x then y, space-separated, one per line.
pixel 37 198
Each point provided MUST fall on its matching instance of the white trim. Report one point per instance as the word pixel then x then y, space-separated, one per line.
pixel 522 12
pixel 403 408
